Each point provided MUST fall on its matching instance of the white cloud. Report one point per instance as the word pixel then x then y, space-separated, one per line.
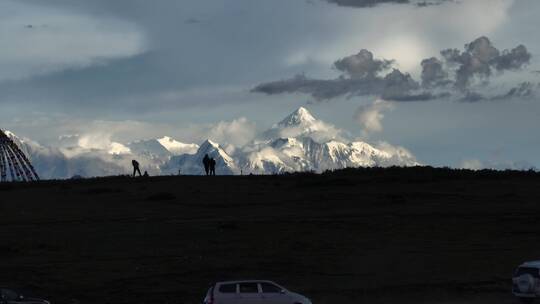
pixel 398 155
pixel 405 33
pixel 75 145
pixel 38 40
pixel 118 149
pixel 319 130
pixel 370 117
pixel 98 141
pixel 237 132
pixel 65 131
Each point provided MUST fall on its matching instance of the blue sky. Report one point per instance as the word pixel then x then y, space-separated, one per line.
pixel 132 69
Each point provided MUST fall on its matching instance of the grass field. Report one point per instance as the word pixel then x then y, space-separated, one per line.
pixel 417 235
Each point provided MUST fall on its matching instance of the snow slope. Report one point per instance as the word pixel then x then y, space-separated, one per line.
pixel 299 142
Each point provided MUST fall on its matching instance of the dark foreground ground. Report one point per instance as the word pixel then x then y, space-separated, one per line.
pixel 414 235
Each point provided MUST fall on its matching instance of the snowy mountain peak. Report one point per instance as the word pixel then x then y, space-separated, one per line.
pixel 167 140
pixel 214 150
pixel 207 144
pixel 301 123
pixel 176 147
pixel 150 148
pixel 300 142
pixel 300 117
pixel 192 163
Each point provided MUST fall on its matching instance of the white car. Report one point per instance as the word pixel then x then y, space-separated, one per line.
pixel 526 281
pixel 252 292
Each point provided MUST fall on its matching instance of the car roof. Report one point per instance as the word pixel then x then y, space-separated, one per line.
pixel 531 264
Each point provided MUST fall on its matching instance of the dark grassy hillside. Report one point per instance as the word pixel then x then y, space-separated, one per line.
pixel 383 235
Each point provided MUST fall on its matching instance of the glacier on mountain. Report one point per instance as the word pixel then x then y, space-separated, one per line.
pixel 299 142
pixel 192 163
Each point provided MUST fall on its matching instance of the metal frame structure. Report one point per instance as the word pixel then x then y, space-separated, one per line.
pixel 14 162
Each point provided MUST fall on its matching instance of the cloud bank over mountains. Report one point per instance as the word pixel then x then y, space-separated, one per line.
pixel 176 68
pixel 457 74
pixel 299 142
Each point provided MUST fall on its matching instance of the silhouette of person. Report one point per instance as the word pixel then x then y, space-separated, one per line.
pixel 146 174
pixel 136 167
pixel 212 166
pixel 206 163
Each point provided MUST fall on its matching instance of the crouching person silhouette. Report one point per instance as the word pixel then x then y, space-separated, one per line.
pixel 206 163
pixel 136 167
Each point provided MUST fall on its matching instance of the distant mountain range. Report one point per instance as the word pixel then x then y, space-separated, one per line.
pixel 299 142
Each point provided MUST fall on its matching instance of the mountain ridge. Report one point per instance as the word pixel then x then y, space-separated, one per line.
pixel 299 142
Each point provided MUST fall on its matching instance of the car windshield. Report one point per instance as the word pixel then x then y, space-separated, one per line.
pixel 527 270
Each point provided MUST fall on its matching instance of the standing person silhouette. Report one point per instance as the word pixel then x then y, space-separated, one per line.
pixel 212 166
pixel 136 167
pixel 206 163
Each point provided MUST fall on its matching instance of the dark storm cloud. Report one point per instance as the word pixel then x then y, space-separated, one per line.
pixel 429 3
pixel 394 86
pixel 364 3
pixel 422 96
pixel 476 60
pixel 362 65
pixel 372 3
pixel 319 89
pixel 514 59
pixel 480 58
pixel 177 56
pixel 433 73
pixel 361 75
pixel 523 90
pixel 473 97
pixel 398 85
pixel 92 87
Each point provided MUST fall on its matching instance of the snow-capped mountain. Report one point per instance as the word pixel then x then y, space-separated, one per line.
pixel 301 123
pixel 53 163
pixel 74 157
pixel 150 148
pixel 161 148
pixel 192 163
pixel 299 142
pixel 305 154
pixel 177 148
pixel 299 118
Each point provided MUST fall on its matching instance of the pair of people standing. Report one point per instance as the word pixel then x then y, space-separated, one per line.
pixel 209 165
